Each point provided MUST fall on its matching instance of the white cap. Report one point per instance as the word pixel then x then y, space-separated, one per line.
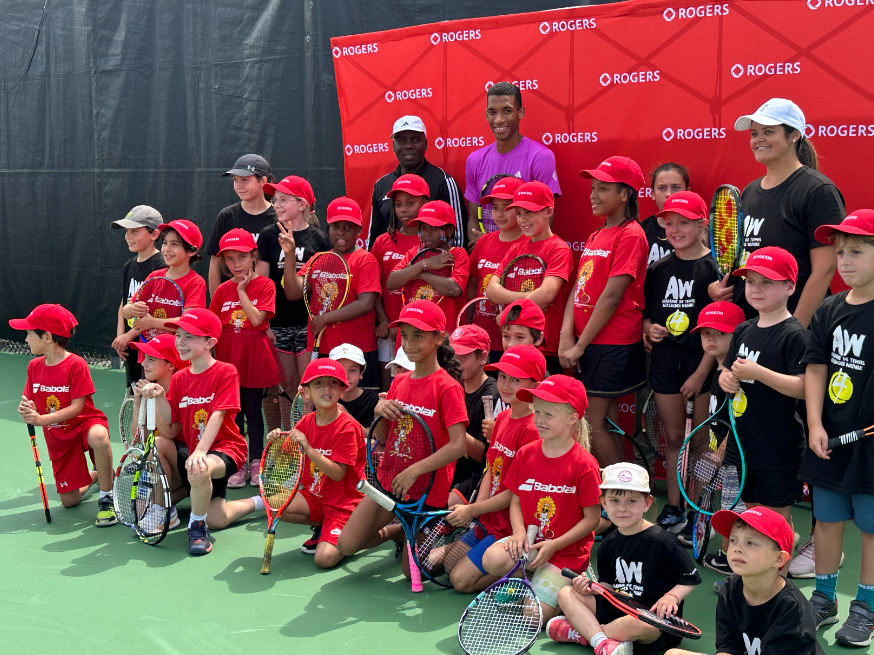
pixel 630 477
pixel 777 111
pixel 402 360
pixel 350 352
pixel 408 123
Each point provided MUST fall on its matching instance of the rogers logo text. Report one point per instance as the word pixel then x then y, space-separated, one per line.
pixel 567 25
pixel 831 4
pixel 407 94
pixel 693 133
pixel 348 51
pixel 839 130
pixel 701 11
pixel 757 70
pixel 449 37
pixel 636 77
pixel 569 137
pixel 524 85
pixel 366 148
pixel 459 142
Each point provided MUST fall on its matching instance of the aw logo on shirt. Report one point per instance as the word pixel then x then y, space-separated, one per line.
pixel 656 253
pixel 753 647
pixel 628 572
pixel 745 353
pixel 678 289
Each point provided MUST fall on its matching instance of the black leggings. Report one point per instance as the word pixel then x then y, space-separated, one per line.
pixel 250 414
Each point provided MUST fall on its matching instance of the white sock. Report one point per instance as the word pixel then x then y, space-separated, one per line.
pixel 259 503
pixel 105 494
pixel 194 517
pixel 597 638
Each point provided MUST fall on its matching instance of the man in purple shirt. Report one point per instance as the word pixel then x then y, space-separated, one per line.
pixel 510 155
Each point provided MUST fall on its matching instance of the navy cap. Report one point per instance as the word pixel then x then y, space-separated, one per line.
pixel 250 165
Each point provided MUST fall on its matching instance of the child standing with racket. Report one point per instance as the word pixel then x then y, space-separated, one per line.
pixel 534 203
pixel 554 485
pixel 57 397
pixel 332 444
pixel 840 400
pixel 637 558
pixel 244 305
pixel 603 321
pixel 675 291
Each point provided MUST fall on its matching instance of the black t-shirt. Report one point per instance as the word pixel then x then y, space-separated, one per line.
pixel 838 338
pixel 675 291
pixel 133 274
pixel 361 409
pixel 465 467
pixel 787 216
pixel 235 216
pixel 645 565
pixel 785 625
pixel 657 243
pixel 717 398
pixel 307 242
pixel 770 432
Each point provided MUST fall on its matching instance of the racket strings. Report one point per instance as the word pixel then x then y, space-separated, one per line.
pixel 276 407
pixel 126 424
pixel 152 501
pixel 524 274
pixel 654 430
pixel 164 300
pixel 503 620
pixel 484 313
pixel 724 226
pixel 441 546
pixel 281 473
pixel 326 284
pixel 710 467
pixel 122 486
pixel 419 289
pixel 406 444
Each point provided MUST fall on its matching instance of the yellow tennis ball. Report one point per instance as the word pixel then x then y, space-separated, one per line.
pixel 739 403
pixel 840 388
pixel 677 323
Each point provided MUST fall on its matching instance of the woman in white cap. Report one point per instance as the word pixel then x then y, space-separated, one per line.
pixel 785 207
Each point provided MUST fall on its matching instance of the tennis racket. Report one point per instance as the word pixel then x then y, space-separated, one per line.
pixel 673 625
pixel 419 289
pixel 42 483
pixel 505 618
pixel 165 301
pixel 125 422
pixel 850 437
pixel 439 547
pixel 325 288
pixel 653 429
pixel 276 407
pixel 726 229
pixel 701 528
pixel 486 222
pixel 127 470
pixel 630 451
pixel 150 491
pixel 523 274
pixel 488 415
pixel 482 312
pixel 281 467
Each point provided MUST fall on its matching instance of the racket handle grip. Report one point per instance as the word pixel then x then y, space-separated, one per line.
pixel 150 414
pixel 844 439
pixel 143 402
pixel 569 574
pixel 488 408
pixel 31 430
pixel 531 535
pixel 268 554
pixel 375 495
pixel 415 575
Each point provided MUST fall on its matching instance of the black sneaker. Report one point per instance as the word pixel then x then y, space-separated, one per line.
pixel 718 563
pixel 309 546
pixel 199 542
pixel 672 518
pixel 825 609
pixel 685 535
pixel 857 629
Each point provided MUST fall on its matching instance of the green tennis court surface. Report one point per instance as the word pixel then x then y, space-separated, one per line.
pixel 70 587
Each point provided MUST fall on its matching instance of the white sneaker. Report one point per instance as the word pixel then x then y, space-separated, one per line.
pixel 238 479
pixel 803 565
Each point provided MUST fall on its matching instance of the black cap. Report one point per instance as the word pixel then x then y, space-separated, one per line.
pixel 250 165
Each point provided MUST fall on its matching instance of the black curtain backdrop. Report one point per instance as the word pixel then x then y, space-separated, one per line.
pixel 114 103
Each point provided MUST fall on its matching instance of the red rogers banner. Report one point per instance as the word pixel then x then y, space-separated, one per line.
pixel 656 81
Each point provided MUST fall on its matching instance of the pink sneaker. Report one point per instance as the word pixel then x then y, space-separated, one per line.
pixel 613 647
pixel 255 473
pixel 560 629
pixel 238 479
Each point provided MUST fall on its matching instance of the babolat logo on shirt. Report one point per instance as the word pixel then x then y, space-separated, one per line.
pixel 587 252
pixel 392 255
pixel 185 401
pixel 236 303
pixel 486 264
pixel 418 409
pixel 41 387
pixel 502 448
pixel 533 485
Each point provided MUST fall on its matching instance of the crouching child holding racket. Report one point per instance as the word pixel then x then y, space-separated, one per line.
pixel 57 397
pixel 332 444
pixel 554 486
pixel 639 559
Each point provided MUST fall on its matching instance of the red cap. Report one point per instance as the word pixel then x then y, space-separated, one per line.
pixel 320 368
pixel 521 362
pixel 503 189
pixel 686 203
pixel 410 183
pixel 773 262
pixel 48 318
pixel 293 186
pixel 422 314
pixel 617 169
pixel 237 239
pixel 531 315
pixel 532 196
pixel 558 389
pixel 344 209
pixel 767 521
pixel 435 213
pixel 860 222
pixel 189 232
pixel 723 316
pixel 468 338
pixel 199 322
pixel 161 347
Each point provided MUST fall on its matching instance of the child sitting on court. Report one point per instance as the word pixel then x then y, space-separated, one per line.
pixel 638 558
pixel 332 444
pixel 358 402
pixel 554 485
pixel 57 397
pixel 758 610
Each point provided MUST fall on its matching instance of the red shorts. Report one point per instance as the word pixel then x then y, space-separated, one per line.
pixel 69 467
pixel 332 518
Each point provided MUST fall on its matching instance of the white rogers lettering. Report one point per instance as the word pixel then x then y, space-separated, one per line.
pixel 636 77
pixel 757 70
pixel 567 25
pixel 348 51
pixel 367 148
pixel 844 130
pixel 418 409
pixel 831 4
pixel 524 85
pixel 408 94
pixel 46 389
pixel 569 137
pixel 459 142
pixel 701 11
pixel 460 35
pixel 693 133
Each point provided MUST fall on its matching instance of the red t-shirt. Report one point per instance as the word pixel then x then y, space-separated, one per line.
pixel 460 273
pixel 509 435
pixel 53 388
pixel 487 254
pixel 192 286
pixel 341 441
pixel 619 250
pixel 194 397
pixel 556 254
pixel 553 493
pixel 439 400
pixel 363 278
pixel 226 303
pixel 388 253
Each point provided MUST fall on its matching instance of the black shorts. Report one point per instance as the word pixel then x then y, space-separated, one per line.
pixel 219 485
pixel 553 365
pixel 609 371
pixel 773 488
pixel 290 339
pixel 672 365
pixel 605 613
pixel 370 377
